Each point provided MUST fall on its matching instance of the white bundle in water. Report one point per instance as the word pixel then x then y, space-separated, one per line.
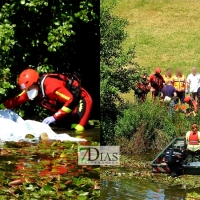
pixel 14 128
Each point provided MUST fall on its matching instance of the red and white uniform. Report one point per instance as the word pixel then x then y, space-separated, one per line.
pixel 57 93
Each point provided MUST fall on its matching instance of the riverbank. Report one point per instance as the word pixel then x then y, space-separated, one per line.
pixel 138 167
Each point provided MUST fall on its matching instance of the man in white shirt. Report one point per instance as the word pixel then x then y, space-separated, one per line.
pixel 193 81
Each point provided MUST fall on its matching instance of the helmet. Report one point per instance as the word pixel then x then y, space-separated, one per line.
pixel 187 99
pixel 158 70
pixel 27 78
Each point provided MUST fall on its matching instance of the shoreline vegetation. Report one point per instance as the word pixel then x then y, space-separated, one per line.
pixel 133 167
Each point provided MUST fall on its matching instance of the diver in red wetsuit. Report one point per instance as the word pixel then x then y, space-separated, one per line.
pixel 157 82
pixel 60 93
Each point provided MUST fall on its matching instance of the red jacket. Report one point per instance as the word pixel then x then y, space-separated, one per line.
pixel 56 92
pixel 156 81
pixel 143 87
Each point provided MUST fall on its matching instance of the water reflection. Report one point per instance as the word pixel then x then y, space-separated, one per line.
pixel 24 159
pixel 89 134
pixel 133 189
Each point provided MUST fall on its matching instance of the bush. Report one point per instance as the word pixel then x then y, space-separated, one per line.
pixel 155 117
pixel 183 124
pixel 153 124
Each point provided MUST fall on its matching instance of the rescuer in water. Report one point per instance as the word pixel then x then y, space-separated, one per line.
pixel 60 93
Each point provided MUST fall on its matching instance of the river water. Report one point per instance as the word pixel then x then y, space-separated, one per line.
pixel 47 169
pixel 141 190
pixel 136 189
pixel 92 134
pixel 125 188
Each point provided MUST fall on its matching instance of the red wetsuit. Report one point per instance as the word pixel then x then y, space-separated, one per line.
pixel 57 93
pixel 156 84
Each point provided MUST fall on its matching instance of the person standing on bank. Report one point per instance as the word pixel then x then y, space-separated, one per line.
pixel 168 93
pixel 193 81
pixel 168 75
pixel 180 84
pixel 59 93
pixel 157 82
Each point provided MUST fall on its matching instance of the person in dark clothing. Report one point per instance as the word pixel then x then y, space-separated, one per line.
pixel 168 93
pixel 142 89
pixel 157 82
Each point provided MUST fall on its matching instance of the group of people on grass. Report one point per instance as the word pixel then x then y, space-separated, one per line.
pixel 173 89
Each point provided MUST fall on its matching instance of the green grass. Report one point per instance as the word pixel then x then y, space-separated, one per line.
pixel 166 32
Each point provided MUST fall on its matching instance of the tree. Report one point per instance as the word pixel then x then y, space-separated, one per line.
pixel 49 36
pixel 118 72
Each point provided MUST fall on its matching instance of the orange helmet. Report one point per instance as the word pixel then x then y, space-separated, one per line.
pixel 158 70
pixel 187 99
pixel 27 78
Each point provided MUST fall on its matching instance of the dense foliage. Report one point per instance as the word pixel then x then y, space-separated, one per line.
pixel 47 170
pixel 152 124
pixel 153 117
pixel 49 36
pixel 118 72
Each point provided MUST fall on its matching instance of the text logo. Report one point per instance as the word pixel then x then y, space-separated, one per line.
pixel 99 155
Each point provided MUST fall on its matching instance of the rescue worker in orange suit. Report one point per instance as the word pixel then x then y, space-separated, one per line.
pixel 193 144
pixel 180 84
pixel 157 82
pixel 142 89
pixel 193 106
pixel 168 76
pixel 59 93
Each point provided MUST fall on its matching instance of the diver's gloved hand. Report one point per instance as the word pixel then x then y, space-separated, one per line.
pixel 49 120
pixel 2 107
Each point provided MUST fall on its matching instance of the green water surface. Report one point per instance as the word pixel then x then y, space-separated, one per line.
pixel 134 188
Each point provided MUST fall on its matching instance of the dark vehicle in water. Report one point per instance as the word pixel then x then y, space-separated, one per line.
pixel 173 156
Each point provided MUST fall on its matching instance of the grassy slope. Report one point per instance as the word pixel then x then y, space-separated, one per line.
pixel 166 32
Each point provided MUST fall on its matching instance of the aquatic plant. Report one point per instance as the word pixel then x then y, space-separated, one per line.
pixel 47 170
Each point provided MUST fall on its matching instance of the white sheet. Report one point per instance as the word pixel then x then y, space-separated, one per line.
pixel 14 128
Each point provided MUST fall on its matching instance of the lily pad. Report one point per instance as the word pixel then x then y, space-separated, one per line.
pixel 81 197
pixel 29 136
